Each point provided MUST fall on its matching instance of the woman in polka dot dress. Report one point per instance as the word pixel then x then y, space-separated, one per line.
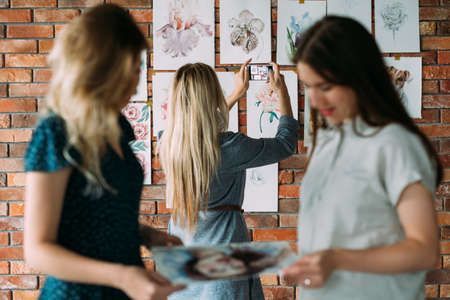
pixel 83 181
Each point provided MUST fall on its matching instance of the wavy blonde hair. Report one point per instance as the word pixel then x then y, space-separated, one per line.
pixel 190 146
pixel 93 62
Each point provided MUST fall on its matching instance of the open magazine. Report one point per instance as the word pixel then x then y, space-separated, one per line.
pixel 187 265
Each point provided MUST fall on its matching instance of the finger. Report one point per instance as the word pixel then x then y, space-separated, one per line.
pixel 244 66
pixel 271 77
pixel 275 67
pixel 246 76
pixel 155 277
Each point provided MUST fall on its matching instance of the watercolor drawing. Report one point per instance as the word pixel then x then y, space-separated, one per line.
pixel 268 100
pixel 184 32
pixel 261 189
pixel 293 20
pixel 141 89
pixel 394 16
pixel 256 177
pixel 161 83
pixel 406 74
pixel 188 265
pixel 360 10
pixel 138 114
pixel 245 29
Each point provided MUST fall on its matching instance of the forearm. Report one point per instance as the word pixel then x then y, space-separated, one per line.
pixel 57 261
pixel 406 256
pixel 232 99
pixel 285 102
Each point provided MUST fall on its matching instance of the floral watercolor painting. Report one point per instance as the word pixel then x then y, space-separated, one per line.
pixel 360 10
pixel 397 25
pixel 138 114
pixel 263 114
pixel 245 28
pixel 294 18
pixel 226 80
pixel 141 89
pixel 406 74
pixel 183 33
pixel 161 83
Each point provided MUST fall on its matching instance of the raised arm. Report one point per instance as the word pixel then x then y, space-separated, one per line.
pixel 240 85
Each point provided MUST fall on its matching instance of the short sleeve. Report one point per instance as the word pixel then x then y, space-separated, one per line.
pixel 46 148
pixel 406 161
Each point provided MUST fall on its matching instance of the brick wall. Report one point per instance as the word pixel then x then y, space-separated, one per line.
pixel 27 29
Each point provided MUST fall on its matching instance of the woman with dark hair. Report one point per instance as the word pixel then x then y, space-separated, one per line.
pixel 367 223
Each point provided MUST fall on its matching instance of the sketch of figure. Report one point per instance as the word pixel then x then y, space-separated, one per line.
pixel 399 78
pixel 245 31
pixel 256 177
pixel 394 16
pixel 294 31
pixel 183 30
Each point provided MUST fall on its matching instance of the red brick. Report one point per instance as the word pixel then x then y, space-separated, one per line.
pixel 42 75
pixel 4 3
pixel 285 176
pixel 162 208
pixel 427 28
pixel 28 90
pixel 12 223
pixel 3 210
pixel 12 46
pixel 288 205
pixel 17 149
pixel 3 90
pixel 436 43
pixel 445 247
pixel 436 101
pixel 17 105
pixel 4 267
pixel 24 120
pixel 445 116
pixel 16 238
pixel 133 3
pixel 11 164
pixel 15 15
pixel 430 86
pixel 288 220
pixel 142 15
pixel 445 86
pixel 45 45
pixel 269 279
pixel 4 239
pixel 275 235
pixel 144 29
pixel 5 295
pixel 428 2
pixel 261 220
pixel 158 177
pixel 445 160
pixel 15 135
pixel 15 75
pixel 25 295
pixel 58 29
pixel 147 208
pixel 2 179
pixel 444 57
pixel 16 179
pixel 436 130
pixel 18 282
pixel 428 116
pixel 436 72
pixel 55 15
pixel 153 192
pixel 33 3
pixel 20 267
pixel 26 60
pixel 155 221
pixel 434 13
pixel 278 293
pixel 443 28
pixel 16 209
pixel 5 122
pixel 11 194
pixel 78 3
pixel 289 191
pixel 445 290
pixel 294 161
pixel 29 31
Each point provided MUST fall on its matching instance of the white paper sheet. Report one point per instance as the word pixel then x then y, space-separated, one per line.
pixel 141 89
pixel 183 32
pixel 294 19
pixel 247 25
pixel 360 10
pixel 161 83
pixel 226 80
pixel 397 25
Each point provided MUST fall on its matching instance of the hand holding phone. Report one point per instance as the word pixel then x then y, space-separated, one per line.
pixel 259 72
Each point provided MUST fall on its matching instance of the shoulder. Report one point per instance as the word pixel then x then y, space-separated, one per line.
pixel 233 139
pixel 397 135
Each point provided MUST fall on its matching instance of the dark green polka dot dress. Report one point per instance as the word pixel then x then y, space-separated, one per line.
pixel 104 228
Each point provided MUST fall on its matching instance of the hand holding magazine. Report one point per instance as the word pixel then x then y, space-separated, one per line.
pixel 187 265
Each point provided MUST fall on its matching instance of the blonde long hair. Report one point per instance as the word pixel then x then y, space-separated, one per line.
pixel 190 146
pixel 93 62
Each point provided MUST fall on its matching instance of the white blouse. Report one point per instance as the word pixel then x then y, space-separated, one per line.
pixel 349 197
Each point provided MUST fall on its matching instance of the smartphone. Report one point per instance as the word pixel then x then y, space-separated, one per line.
pixel 259 72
